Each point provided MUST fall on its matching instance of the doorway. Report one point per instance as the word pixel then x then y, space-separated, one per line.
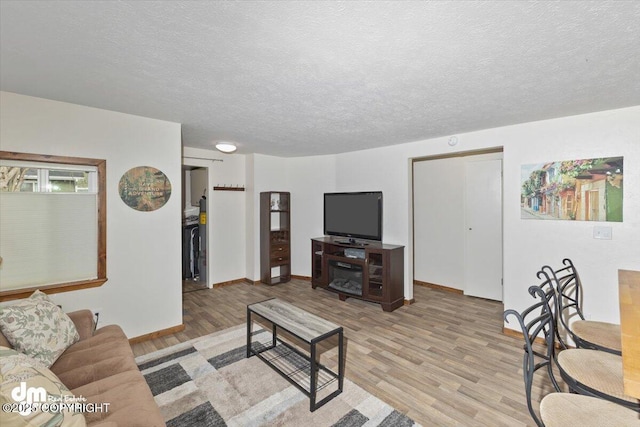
pixel 457 222
pixel 194 235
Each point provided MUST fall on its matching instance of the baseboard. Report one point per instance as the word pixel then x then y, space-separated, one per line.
pixel 231 282
pixel 520 335
pixel 440 287
pixel 409 301
pixel 157 334
pixel 258 282
pixel 512 333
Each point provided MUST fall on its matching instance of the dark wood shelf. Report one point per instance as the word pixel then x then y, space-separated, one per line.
pixel 275 237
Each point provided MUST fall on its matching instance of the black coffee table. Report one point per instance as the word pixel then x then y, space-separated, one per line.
pixel 300 369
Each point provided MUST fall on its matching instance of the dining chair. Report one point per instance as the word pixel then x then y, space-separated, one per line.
pixel 584 333
pixel 559 409
pixel 586 371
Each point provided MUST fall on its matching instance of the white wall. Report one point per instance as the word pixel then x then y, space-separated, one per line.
pixel 143 248
pixel 384 169
pixel 269 174
pixel 226 213
pixel 250 229
pixel 310 178
pixel 307 179
pixel 143 291
pixel 528 244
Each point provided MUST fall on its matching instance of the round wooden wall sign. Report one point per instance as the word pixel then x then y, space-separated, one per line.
pixel 144 188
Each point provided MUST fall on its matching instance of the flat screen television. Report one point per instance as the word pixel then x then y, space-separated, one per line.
pixel 353 215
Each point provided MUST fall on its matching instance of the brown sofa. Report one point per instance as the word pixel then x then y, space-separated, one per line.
pixel 101 368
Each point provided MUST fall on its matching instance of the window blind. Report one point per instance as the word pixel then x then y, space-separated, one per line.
pixel 47 238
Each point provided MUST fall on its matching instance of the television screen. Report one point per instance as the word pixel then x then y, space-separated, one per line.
pixel 353 215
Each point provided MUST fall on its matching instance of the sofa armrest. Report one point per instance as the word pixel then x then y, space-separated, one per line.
pixel 83 319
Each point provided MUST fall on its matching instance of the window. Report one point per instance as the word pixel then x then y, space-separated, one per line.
pixel 52 224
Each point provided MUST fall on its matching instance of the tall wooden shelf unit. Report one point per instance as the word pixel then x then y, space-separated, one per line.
pixel 275 237
pixel 377 268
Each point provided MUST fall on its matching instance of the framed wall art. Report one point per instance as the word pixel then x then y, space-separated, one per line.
pixel 144 188
pixel 578 190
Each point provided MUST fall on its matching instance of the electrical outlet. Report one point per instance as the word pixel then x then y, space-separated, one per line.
pixel 602 233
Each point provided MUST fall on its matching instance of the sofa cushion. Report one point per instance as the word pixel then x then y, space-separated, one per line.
pixel 130 401
pixel 104 354
pixel 110 334
pixel 38 327
pixel 20 375
pixel 84 374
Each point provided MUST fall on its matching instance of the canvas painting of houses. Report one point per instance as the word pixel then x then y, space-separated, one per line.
pixel 581 190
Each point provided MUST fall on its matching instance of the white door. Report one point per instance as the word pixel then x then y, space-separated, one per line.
pixel 483 229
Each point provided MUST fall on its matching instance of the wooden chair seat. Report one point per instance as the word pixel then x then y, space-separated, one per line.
pixel 565 409
pixel 594 372
pixel 599 334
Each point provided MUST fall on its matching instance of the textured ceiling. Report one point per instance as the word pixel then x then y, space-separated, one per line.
pixel 304 78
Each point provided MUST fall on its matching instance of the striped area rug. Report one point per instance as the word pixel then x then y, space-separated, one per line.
pixel 210 382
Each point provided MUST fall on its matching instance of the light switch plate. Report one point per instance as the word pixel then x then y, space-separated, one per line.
pixel 602 233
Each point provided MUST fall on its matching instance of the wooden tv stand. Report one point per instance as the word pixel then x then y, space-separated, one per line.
pixel 370 271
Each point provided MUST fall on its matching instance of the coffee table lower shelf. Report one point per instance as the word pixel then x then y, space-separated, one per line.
pixel 295 367
pixel 301 369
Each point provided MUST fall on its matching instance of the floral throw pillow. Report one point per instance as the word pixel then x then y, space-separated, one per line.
pixel 33 394
pixel 38 328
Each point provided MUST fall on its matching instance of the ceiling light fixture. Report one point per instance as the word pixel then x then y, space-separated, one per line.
pixel 226 147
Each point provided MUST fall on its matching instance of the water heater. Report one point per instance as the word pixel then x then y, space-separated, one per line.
pixel 202 254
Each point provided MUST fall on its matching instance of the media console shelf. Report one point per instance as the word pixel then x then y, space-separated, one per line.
pixel 372 271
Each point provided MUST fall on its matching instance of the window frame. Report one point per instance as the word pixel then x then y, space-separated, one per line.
pixel 101 253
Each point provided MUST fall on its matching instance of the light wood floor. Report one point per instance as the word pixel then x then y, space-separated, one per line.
pixel 443 360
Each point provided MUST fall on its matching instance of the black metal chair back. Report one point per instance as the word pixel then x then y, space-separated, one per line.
pixel 569 304
pixel 537 321
pixel 568 297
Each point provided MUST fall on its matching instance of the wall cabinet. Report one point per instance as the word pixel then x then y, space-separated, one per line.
pixel 372 272
pixel 275 237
